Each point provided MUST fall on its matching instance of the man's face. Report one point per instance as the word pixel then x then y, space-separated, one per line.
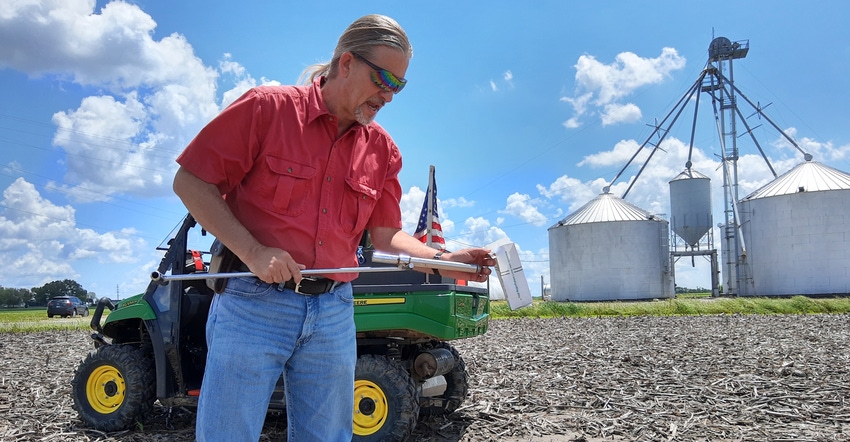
pixel 366 97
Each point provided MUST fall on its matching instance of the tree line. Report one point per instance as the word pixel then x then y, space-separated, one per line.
pixel 38 296
pixel 699 289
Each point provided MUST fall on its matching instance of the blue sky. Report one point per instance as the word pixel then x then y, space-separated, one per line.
pixel 526 109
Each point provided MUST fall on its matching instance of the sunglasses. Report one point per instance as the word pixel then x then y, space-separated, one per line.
pixel 385 79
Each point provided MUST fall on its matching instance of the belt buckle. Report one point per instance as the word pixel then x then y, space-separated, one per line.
pixel 298 285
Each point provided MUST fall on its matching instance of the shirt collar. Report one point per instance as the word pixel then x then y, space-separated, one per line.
pixel 316 107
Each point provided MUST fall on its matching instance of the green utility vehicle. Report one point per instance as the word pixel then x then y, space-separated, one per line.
pixel 152 346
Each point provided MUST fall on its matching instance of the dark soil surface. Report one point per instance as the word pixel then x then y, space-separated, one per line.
pixel 698 378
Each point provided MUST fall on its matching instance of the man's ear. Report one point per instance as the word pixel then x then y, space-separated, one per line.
pixel 345 62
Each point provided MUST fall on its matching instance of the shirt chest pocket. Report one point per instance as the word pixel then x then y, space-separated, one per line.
pixel 357 205
pixel 292 187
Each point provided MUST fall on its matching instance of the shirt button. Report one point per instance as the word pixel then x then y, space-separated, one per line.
pixel 321 242
pixel 289 170
pixel 329 179
pixel 325 210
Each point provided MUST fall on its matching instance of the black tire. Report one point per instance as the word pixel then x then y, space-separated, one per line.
pixel 457 387
pixel 49 315
pixel 114 387
pixel 74 313
pixel 86 312
pixel 385 402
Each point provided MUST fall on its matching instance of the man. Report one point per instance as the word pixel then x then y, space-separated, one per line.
pixel 289 178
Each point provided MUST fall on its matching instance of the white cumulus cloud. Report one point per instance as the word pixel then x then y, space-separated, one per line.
pixel 39 240
pixel 523 207
pixel 148 97
pixel 601 87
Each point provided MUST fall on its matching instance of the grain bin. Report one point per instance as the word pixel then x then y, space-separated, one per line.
pixel 610 249
pixel 690 206
pixel 797 233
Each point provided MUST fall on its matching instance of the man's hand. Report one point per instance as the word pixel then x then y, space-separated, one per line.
pixel 273 265
pixel 478 256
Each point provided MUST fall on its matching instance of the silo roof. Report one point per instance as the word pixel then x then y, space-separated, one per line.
pixel 689 174
pixel 606 207
pixel 809 176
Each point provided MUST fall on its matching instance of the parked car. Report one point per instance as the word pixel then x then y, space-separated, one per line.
pixel 66 306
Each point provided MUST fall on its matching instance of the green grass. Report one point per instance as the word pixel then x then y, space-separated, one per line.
pixel 20 320
pixel 683 305
pixel 35 318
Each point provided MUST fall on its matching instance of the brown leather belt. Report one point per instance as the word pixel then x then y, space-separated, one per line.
pixel 309 285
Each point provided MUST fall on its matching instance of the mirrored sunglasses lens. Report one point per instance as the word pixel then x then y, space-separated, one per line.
pixel 387 81
pixel 379 82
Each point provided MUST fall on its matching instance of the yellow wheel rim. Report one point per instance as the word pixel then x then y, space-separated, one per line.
pixel 370 408
pixel 105 389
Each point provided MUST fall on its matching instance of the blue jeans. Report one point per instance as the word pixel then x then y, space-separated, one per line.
pixel 255 332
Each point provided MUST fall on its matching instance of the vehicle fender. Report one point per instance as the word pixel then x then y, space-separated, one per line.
pixel 132 308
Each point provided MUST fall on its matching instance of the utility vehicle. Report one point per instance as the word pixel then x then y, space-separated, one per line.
pixel 152 347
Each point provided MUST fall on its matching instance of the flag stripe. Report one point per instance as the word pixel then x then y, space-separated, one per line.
pixel 436 229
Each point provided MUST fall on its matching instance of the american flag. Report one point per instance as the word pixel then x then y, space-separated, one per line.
pixel 437 240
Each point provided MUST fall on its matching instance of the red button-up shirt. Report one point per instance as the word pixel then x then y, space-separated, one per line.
pixel 275 156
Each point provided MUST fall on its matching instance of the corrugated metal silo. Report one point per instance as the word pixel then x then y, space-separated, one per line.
pixel 796 230
pixel 690 206
pixel 610 249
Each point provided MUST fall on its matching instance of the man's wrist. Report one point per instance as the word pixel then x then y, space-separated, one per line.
pixel 438 256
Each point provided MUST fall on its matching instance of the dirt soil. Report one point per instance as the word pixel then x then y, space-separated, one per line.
pixel 698 378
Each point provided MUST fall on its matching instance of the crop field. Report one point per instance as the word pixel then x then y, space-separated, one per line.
pixel 35 319
pixel 719 377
